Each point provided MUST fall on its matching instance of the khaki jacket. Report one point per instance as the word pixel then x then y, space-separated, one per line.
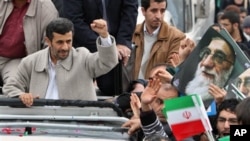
pixel 168 42
pixel 38 15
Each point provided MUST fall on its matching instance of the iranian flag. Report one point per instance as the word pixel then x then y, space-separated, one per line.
pixel 186 116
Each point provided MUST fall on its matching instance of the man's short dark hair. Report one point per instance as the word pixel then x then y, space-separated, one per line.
pixel 60 26
pixel 232 16
pixel 243 10
pixel 228 105
pixel 242 111
pixel 146 3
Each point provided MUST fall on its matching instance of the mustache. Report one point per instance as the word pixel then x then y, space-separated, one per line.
pixel 157 20
pixel 63 51
pixel 220 77
pixel 211 72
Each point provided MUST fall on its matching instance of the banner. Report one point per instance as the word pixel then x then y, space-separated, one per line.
pixel 216 59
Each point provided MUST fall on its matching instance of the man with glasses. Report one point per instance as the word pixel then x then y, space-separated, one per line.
pixel 213 70
pixel 225 117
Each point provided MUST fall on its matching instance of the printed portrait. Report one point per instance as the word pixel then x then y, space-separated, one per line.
pixel 212 61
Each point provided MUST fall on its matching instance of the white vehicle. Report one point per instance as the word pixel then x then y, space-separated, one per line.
pixel 64 120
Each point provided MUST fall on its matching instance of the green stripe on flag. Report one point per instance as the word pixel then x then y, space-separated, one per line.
pixel 180 103
pixel 198 99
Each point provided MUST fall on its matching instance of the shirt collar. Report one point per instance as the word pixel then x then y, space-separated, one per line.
pixel 66 63
pixel 51 64
pixel 247 36
pixel 155 32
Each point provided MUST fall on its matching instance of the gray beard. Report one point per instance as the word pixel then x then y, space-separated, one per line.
pixel 199 84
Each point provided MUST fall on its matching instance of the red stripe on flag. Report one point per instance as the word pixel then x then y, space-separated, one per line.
pixel 187 129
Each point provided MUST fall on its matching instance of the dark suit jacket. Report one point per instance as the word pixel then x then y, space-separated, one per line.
pixel 122 15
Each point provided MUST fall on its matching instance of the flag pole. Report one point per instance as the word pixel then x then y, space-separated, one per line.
pixel 205 123
pixel 210 135
pixel 198 106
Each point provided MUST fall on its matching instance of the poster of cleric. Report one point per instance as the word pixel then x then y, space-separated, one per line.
pixel 216 59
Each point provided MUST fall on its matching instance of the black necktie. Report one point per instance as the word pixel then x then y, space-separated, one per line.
pixel 104 15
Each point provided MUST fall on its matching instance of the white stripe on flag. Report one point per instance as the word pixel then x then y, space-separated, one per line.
pixel 202 112
pixel 183 115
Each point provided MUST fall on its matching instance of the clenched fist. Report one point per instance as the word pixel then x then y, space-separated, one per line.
pixel 100 27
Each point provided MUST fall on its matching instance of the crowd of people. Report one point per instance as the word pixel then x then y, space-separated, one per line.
pixel 58 49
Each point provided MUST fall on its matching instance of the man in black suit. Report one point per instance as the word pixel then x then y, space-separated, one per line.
pixel 121 16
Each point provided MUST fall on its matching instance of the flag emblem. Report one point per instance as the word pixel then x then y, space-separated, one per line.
pixel 186 114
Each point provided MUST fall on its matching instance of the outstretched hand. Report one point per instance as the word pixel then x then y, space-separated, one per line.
pixel 162 74
pixel 135 104
pixel 133 124
pixel 186 47
pixel 150 92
